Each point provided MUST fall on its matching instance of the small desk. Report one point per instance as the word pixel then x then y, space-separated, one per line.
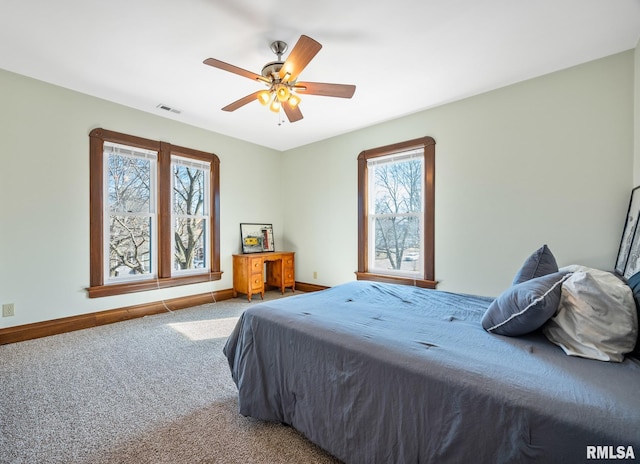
pixel 248 272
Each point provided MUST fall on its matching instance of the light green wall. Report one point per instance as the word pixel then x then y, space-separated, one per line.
pixel 636 115
pixel 548 160
pixel 44 195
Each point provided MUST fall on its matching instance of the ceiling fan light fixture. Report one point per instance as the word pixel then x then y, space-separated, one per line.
pixel 294 100
pixel 275 105
pixel 264 97
pixel 282 93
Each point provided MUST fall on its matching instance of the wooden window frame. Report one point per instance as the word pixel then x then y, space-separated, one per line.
pixel 428 280
pixel 164 279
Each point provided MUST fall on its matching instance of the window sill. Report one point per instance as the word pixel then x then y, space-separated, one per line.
pixel 155 284
pixel 397 280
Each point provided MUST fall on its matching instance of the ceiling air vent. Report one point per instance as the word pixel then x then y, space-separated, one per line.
pixel 168 108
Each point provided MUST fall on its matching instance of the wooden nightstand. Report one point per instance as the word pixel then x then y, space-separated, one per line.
pixel 248 272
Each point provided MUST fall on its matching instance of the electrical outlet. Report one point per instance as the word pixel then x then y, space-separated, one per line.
pixel 315 275
pixel 7 310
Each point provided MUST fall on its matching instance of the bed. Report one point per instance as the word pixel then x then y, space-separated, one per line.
pixel 384 373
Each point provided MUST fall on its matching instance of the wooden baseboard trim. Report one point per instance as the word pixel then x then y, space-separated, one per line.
pixel 84 321
pixel 305 287
pixel 302 286
pixel 21 333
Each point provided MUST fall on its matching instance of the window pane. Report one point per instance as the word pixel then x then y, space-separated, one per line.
pixel 397 187
pixel 129 245
pixel 188 190
pixel 397 241
pixel 190 223
pixel 129 187
pixel 190 251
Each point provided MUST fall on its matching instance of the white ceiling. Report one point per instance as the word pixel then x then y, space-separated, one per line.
pixel 404 55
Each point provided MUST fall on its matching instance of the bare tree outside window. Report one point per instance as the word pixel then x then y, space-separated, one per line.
pixel 398 204
pixel 397 200
pixel 130 215
pixel 189 193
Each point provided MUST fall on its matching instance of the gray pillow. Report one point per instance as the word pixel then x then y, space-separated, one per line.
pixel 524 307
pixel 540 263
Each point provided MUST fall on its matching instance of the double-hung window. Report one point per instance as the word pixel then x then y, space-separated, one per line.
pixel 190 214
pixel 154 211
pixel 130 212
pixel 396 213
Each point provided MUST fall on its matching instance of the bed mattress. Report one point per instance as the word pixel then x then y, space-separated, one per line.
pixel 380 373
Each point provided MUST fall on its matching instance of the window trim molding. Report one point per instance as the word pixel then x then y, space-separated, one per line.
pixel 428 280
pixel 97 288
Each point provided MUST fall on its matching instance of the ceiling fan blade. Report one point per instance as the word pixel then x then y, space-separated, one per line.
pixel 293 112
pixel 241 102
pixel 325 90
pixel 301 54
pixel 233 69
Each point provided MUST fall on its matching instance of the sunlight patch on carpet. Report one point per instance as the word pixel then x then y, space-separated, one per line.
pixel 206 329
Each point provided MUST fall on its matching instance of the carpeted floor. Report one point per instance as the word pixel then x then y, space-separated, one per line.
pixel 149 390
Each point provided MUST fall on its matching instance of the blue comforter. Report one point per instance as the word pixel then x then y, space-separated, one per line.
pixel 382 373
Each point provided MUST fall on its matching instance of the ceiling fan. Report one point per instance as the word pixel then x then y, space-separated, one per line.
pixel 281 79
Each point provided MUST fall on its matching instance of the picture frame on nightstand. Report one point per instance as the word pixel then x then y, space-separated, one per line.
pixel 256 237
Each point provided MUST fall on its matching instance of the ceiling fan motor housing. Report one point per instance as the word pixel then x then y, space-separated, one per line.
pixel 272 70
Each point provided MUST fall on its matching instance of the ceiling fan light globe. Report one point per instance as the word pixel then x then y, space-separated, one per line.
pixel 294 100
pixel 275 106
pixel 283 93
pixel 263 97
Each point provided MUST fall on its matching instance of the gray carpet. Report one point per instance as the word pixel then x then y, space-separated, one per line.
pixel 149 390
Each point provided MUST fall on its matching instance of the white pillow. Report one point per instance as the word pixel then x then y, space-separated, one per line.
pixel 596 317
